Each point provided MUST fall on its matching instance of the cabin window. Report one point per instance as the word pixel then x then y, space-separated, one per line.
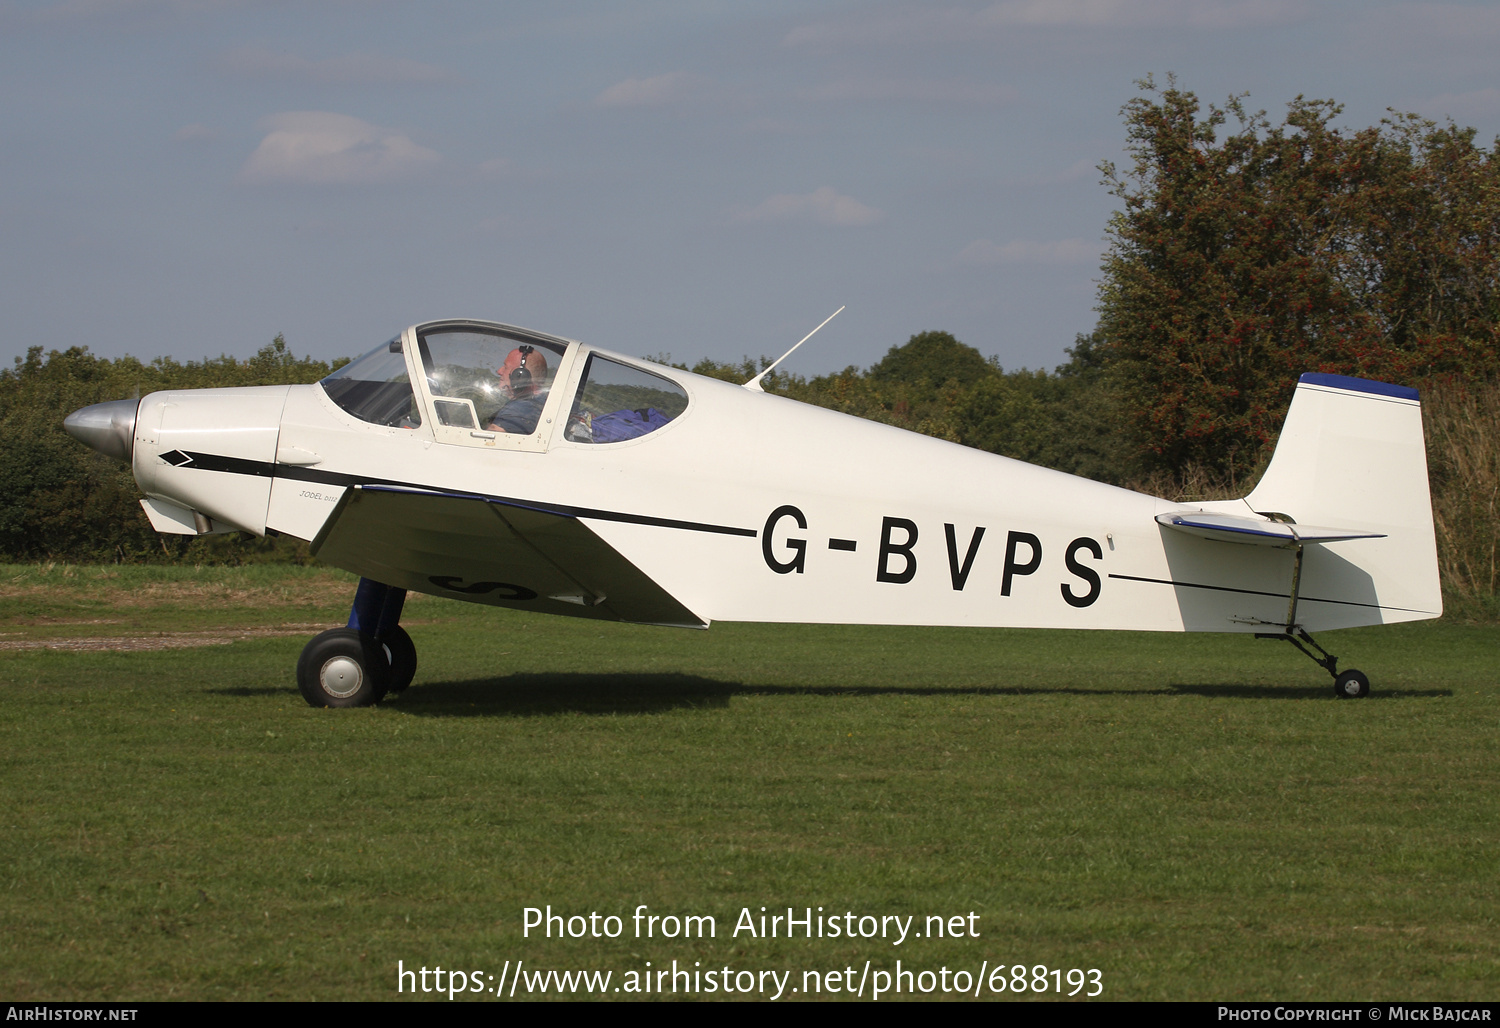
pixel 456 413
pixel 487 380
pixel 616 402
pixel 376 388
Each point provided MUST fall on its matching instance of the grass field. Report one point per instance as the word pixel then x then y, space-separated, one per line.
pixel 1195 816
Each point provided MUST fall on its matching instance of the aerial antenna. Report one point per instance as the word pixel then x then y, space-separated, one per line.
pixel 754 383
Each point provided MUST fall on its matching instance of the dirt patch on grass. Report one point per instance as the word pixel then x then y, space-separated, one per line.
pixel 307 593
pixel 300 591
pixel 213 595
pixel 169 640
pixel 158 640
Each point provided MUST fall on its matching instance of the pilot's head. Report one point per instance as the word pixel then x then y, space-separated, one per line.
pixel 524 372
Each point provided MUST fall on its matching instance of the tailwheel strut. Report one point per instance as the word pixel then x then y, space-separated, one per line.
pixel 1350 684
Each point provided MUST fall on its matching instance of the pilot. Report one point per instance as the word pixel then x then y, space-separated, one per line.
pixel 523 378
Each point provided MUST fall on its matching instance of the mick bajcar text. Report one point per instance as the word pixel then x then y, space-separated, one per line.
pixel 1356 1012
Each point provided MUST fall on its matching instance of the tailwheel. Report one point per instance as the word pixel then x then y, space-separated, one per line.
pixel 401 653
pixel 1351 685
pixel 344 668
pixel 1347 685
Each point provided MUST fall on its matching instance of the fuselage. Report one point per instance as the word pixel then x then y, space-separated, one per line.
pixel 743 506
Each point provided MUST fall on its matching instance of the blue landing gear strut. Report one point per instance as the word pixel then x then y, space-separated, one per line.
pixel 357 665
pixel 377 613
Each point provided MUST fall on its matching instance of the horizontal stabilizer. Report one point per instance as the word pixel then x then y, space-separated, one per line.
pixel 1233 528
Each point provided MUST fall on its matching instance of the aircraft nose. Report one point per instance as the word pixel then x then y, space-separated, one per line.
pixel 106 427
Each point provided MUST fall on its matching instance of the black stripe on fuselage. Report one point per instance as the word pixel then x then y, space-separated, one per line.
pixel 1257 592
pixel 266 469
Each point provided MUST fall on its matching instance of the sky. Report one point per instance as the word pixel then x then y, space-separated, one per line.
pixel 693 178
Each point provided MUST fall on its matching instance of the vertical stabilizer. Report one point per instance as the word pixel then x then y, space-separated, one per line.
pixel 1352 454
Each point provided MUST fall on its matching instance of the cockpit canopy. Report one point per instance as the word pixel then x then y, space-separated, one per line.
pixel 481 376
pixel 484 378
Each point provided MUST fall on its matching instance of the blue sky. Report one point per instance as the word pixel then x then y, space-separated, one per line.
pixel 705 179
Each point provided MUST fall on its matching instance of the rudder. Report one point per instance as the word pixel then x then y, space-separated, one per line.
pixel 1351 453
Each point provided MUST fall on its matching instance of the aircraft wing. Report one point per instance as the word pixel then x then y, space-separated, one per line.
pixel 482 550
pixel 1234 528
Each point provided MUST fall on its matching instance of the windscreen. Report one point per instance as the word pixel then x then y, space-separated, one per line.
pixel 376 388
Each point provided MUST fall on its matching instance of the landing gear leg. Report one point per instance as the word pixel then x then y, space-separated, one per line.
pixel 1350 684
pixel 377 613
pixel 356 666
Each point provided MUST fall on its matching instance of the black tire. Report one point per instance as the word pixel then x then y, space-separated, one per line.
pixel 1351 685
pixel 342 668
pixel 401 652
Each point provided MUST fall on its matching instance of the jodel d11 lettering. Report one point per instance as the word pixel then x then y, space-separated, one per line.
pixel 494 464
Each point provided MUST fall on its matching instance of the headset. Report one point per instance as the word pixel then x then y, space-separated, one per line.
pixel 520 378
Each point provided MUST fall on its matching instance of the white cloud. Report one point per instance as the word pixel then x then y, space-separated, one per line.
pixel 823 206
pixel 346 69
pixel 327 149
pixel 1084 168
pixel 1025 251
pixel 778 127
pixel 925 90
pixel 894 27
pixel 195 133
pixel 1447 22
pixel 1461 39
pixel 656 91
pixel 1481 103
pixel 1205 14
pixel 957 24
pixel 82 9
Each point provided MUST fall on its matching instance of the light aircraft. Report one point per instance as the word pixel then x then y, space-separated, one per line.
pixel 494 464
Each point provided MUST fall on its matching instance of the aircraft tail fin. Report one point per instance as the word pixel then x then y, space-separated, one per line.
pixel 1351 453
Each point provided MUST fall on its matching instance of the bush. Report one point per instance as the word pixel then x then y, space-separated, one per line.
pixel 61 501
pixel 1462 423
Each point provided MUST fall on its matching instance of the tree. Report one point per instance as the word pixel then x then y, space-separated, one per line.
pixel 917 385
pixel 930 360
pixel 1067 420
pixel 1237 263
pixel 60 500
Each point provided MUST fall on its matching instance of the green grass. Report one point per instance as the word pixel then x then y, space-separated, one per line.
pixel 1196 816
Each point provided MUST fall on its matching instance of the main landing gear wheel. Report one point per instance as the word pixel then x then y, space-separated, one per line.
pixel 1351 685
pixel 401 652
pixel 343 668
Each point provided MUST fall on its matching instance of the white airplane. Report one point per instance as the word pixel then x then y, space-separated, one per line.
pixel 494 464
